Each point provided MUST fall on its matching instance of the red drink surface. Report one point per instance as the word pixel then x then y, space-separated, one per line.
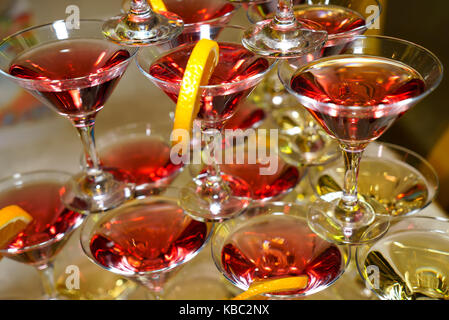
pixel 247 116
pixel 50 218
pixel 146 159
pixel 198 10
pixel 266 186
pixel 70 59
pixel 235 64
pixel 333 19
pixel 147 237
pixel 279 246
pixel 362 81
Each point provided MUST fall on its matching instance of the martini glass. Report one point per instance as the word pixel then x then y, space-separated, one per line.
pixel 38 193
pixel 411 261
pixel 273 240
pixel 140 153
pixel 194 14
pixel 145 240
pixel 399 179
pixel 356 93
pixel 302 139
pixel 283 36
pixel 142 26
pixel 212 196
pixel 73 71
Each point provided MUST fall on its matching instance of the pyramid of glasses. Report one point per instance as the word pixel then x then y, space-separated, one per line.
pixel 139 222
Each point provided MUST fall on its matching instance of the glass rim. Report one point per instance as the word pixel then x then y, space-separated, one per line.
pixel 393 220
pixel 419 157
pixel 380 107
pixel 128 129
pixel 330 37
pixel 211 229
pixel 18 175
pixel 177 85
pixel 259 203
pixel 132 50
pixel 363 249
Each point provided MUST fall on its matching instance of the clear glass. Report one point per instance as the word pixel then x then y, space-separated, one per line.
pixel 40 255
pixel 302 139
pixel 143 209
pixel 410 262
pixel 140 155
pixel 344 220
pixel 283 36
pixel 211 196
pixel 368 11
pixel 280 250
pixel 397 178
pixel 400 180
pixel 142 26
pixel 95 189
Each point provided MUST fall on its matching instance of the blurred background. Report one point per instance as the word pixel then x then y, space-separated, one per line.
pixel 424 129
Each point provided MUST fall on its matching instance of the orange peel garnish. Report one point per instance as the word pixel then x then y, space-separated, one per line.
pixel 199 69
pixel 13 219
pixel 158 5
pixel 273 286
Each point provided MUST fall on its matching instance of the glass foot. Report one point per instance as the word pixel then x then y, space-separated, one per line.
pixel 88 194
pixel 205 202
pixel 365 225
pixel 267 39
pixel 154 29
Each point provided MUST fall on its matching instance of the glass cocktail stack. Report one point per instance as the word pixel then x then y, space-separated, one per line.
pixel 353 86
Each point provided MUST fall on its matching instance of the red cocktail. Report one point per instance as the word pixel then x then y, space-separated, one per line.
pixel 211 197
pixel 38 193
pixel 73 71
pixel 140 154
pixel 144 239
pixel 272 241
pixel 356 92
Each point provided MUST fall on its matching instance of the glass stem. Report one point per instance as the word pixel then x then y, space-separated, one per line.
pixel 139 7
pixel 46 272
pixel 86 133
pixel 285 15
pixel 212 136
pixel 155 285
pixel 352 157
pixel 139 10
